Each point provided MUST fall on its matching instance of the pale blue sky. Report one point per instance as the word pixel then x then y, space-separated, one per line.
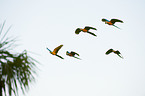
pixel 50 23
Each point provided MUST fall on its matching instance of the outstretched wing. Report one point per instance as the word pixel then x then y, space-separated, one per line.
pixel 115 20
pixel 59 56
pixel 109 51
pixel 119 54
pixel 73 53
pixel 57 49
pixel 88 28
pixel 78 30
pixel 92 33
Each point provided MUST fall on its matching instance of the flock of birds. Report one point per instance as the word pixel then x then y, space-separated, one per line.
pixel 86 30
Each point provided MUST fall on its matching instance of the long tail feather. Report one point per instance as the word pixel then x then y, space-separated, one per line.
pixel 116 27
pixel 120 56
pixel 77 58
pixel 59 56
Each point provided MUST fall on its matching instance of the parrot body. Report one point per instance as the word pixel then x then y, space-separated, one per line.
pixel 72 54
pixel 55 51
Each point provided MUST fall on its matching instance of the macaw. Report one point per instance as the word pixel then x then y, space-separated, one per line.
pixel 72 54
pixel 112 22
pixel 85 30
pixel 116 52
pixel 55 51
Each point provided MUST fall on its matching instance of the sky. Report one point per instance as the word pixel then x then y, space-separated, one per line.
pixel 38 24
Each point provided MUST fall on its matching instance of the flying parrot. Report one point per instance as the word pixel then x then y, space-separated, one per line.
pixel 85 30
pixel 112 22
pixel 116 52
pixel 55 51
pixel 72 54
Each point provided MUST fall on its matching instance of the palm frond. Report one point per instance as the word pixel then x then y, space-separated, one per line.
pixel 15 69
pixel 2 27
pixel 5 34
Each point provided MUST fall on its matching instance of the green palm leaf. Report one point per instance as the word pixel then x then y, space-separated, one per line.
pixel 15 69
